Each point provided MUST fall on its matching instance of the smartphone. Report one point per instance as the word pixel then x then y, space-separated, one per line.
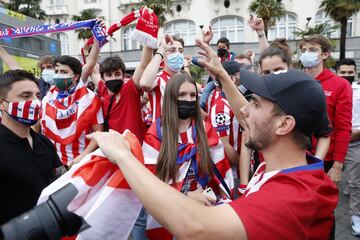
pixel 210 193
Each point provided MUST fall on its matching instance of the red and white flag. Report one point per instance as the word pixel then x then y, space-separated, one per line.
pixel 105 200
pixel 151 148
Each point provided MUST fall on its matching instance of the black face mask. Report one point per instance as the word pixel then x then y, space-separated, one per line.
pixel 350 78
pixel 222 53
pixel 114 85
pixel 186 109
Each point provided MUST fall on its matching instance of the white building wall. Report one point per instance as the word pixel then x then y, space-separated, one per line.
pixel 201 12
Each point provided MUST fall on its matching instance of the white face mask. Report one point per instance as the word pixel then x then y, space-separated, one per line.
pixel 48 76
pixel 309 59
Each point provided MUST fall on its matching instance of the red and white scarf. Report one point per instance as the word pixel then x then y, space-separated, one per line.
pixel 63 120
pixel 151 148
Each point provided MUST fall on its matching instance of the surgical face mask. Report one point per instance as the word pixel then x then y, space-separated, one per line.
pixel 175 61
pixel 114 85
pixel 63 82
pixel 48 76
pixel 186 109
pixel 310 59
pixel 26 112
pixel 222 53
pixel 351 79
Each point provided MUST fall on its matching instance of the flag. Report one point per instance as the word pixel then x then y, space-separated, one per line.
pixel 105 200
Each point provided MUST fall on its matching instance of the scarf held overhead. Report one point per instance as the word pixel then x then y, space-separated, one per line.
pixel 98 32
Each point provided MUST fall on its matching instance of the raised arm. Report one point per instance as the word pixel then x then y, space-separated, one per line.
pixel 91 60
pixel 212 64
pixel 257 24
pixel 148 77
pixel 146 57
pixel 182 216
pixel 8 59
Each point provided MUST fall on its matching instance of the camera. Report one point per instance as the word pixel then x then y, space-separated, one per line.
pixel 50 220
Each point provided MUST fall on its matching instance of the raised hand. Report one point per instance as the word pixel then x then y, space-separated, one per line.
pixel 112 144
pixel 209 59
pixel 207 35
pixel 256 23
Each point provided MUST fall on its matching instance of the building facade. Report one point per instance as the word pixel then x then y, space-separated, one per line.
pixel 27 50
pixel 188 18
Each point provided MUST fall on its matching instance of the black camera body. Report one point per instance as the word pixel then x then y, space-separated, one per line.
pixel 50 220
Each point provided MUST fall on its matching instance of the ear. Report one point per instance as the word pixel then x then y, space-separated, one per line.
pixel 325 55
pixel 284 125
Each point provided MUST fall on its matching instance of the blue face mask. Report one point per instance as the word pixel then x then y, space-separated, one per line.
pixel 48 76
pixel 309 60
pixel 175 61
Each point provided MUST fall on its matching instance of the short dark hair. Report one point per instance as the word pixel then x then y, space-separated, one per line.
pixel 73 63
pixel 279 47
pixel 345 61
pixel 224 40
pixel 300 139
pixel 180 40
pixel 111 64
pixel 12 76
pixel 324 42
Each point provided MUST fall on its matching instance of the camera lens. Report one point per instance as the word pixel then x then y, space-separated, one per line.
pixel 50 220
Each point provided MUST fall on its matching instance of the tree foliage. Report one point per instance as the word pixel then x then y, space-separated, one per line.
pixel 269 10
pixel 29 8
pixel 341 11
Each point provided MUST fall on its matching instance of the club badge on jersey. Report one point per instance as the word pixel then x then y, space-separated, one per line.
pixel 26 112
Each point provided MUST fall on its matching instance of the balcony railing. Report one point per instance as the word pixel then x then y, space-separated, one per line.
pixel 56 10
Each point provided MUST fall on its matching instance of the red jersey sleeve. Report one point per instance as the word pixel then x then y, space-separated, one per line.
pixel 288 207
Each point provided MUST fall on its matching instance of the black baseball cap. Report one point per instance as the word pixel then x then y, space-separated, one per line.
pixel 296 92
pixel 231 67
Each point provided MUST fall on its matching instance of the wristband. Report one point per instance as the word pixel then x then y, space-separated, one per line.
pixel 260 35
pixel 162 56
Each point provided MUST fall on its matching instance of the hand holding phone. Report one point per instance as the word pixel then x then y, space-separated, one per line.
pixel 209 193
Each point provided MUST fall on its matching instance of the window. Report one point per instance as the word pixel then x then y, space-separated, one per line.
pixel 183 29
pixel 229 27
pixel 64 42
pixel 128 43
pixel 322 18
pixel 284 28
pixel 56 2
pixel 90 1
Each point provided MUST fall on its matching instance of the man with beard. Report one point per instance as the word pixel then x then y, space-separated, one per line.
pixel 289 188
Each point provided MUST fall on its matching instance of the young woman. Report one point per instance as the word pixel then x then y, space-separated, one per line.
pixel 184 151
pixel 276 57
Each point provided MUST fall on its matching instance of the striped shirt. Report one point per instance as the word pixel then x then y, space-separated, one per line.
pixel 157 94
pixel 225 123
pixel 67 120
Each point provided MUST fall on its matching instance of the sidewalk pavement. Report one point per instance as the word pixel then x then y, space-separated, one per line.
pixel 342 217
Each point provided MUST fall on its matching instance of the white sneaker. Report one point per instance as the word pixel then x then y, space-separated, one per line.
pixel 355 225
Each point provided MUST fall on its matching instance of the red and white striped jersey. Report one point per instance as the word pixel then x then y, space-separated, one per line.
pixel 225 123
pixel 157 94
pixel 213 96
pixel 68 120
